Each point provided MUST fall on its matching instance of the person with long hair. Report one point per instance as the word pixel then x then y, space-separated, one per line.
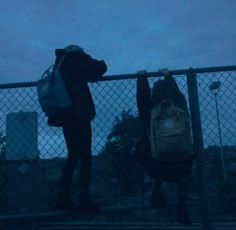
pixel 175 171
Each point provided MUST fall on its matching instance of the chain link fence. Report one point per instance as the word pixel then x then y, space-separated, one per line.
pixel 114 95
pixel 218 109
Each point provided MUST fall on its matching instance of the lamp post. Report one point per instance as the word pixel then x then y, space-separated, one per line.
pixel 215 88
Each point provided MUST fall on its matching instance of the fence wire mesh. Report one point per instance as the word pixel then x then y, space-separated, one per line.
pixel 218 109
pixel 112 98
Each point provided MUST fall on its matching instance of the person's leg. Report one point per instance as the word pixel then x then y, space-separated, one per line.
pixel 85 138
pixel 70 135
pixel 182 207
pixel 85 174
pixel 154 169
pixel 86 160
pixel 183 192
pixel 157 198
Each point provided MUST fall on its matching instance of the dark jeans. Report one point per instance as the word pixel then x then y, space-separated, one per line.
pixel 78 137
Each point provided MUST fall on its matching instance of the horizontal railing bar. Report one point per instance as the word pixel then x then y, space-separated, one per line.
pixel 173 72
pixel 18 85
pixel 133 75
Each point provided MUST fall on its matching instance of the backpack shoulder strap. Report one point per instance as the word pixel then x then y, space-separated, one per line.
pixel 53 67
pixel 61 60
pixel 47 71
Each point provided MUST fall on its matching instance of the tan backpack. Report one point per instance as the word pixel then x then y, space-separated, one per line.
pixel 170 135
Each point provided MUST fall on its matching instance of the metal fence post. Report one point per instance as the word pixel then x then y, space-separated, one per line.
pixel 198 149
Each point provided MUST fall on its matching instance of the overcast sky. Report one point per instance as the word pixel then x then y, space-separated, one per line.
pixel 128 34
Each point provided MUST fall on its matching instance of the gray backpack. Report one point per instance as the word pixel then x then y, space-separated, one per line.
pixel 170 135
pixel 52 93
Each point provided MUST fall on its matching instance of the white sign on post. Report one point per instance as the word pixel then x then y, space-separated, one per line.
pixel 22 136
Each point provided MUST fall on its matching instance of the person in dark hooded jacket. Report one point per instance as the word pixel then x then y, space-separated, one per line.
pixel 77 68
pixel 177 172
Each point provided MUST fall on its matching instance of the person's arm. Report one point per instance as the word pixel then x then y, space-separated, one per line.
pixel 143 99
pixel 91 68
pixel 83 65
pixel 97 68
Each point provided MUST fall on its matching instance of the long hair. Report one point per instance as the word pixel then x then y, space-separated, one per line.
pixel 166 89
pixel 170 78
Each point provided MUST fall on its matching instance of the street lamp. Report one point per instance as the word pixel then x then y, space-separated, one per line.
pixel 215 88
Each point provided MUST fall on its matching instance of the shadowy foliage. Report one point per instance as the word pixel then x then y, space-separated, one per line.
pixel 119 153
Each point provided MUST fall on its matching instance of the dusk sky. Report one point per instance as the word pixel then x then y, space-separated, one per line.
pixel 129 35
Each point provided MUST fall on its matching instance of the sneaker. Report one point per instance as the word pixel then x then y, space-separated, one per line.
pixel 182 213
pixel 184 220
pixel 66 206
pixel 86 202
pixel 158 201
pixel 88 207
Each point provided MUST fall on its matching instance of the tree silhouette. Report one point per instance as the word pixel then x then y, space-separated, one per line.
pixel 119 152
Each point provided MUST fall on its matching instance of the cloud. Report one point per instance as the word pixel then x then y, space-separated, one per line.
pixel 128 36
